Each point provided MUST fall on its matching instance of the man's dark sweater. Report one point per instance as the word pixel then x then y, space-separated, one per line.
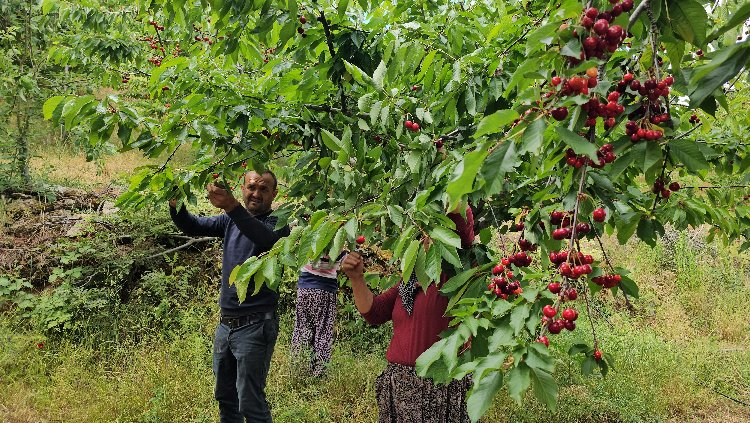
pixel 244 236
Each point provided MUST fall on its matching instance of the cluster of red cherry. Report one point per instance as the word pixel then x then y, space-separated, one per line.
pixel 605 154
pixel 645 120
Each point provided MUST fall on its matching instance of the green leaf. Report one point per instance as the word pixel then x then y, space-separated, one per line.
pixel 464 175
pixel 629 287
pixel 50 105
pixel 687 152
pixel 627 226
pixel 480 397
pixel 427 358
pixel 357 73
pixel 323 237
pixel 331 141
pixel 652 156
pixel 579 349
pixel 452 284
pixel 433 263
pixel 242 275
pixel 379 75
pixel 588 365
pixel 725 64
pixel 504 159
pixel 518 317
pixel 338 243
pixel 646 232
pixel 518 381
pixel 446 236
pixel 688 19
pixel 545 388
pixel 268 270
pixel 410 256
pixel 351 228
pixel 736 20
pixel 495 122
pixel 577 143
pixel 533 136
pixel 542 36
pixel 620 164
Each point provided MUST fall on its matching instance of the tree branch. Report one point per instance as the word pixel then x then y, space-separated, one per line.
pixel 183 246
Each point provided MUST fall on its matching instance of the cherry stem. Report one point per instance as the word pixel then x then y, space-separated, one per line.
pixel 591 319
pixel 497 224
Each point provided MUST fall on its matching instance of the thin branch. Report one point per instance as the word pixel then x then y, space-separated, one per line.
pixel 716 187
pixel 329 42
pixel 636 13
pixel 164 166
pixel 183 246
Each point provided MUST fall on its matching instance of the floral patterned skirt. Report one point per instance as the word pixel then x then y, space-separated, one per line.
pixel 404 397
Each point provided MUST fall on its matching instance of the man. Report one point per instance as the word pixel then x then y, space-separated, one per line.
pixel 246 335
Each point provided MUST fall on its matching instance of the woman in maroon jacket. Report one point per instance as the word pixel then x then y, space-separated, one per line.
pixel 418 318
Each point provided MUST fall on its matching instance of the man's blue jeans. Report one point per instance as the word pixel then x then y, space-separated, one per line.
pixel 242 357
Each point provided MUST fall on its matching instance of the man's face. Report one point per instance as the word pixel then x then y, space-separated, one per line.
pixel 258 192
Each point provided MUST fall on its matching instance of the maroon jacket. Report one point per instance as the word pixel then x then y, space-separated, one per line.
pixel 413 335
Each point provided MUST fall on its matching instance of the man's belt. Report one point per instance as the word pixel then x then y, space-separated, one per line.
pixel 235 322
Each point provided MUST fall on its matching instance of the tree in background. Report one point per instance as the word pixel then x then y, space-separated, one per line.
pixel 558 120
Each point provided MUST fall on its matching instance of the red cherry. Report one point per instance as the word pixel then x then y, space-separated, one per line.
pixel 498 269
pixel 599 215
pixel 601 26
pixel 360 240
pixel 302 20
pixel 559 113
pixel 544 340
pixel 408 124
pixel 549 311
pixel 569 314
pixel 572 294
pixel 554 287
pixel 215 176
pixel 165 88
pixel 439 144
pixel 415 87
pixel 556 80
pixel 505 261
pixel 666 193
pixel 556 327
pixel 415 127
pixel 674 186
pixel 592 12
pixel 597 355
pixel 40 345
pixel 628 77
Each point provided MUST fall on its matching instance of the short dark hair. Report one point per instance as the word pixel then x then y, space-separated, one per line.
pixel 266 172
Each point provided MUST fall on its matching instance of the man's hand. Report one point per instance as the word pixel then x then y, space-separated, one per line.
pixel 354 267
pixel 221 198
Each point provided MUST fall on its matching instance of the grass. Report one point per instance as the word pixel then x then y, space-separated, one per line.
pixel 677 358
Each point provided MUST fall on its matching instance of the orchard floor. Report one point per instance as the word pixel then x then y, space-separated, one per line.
pixel 682 355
